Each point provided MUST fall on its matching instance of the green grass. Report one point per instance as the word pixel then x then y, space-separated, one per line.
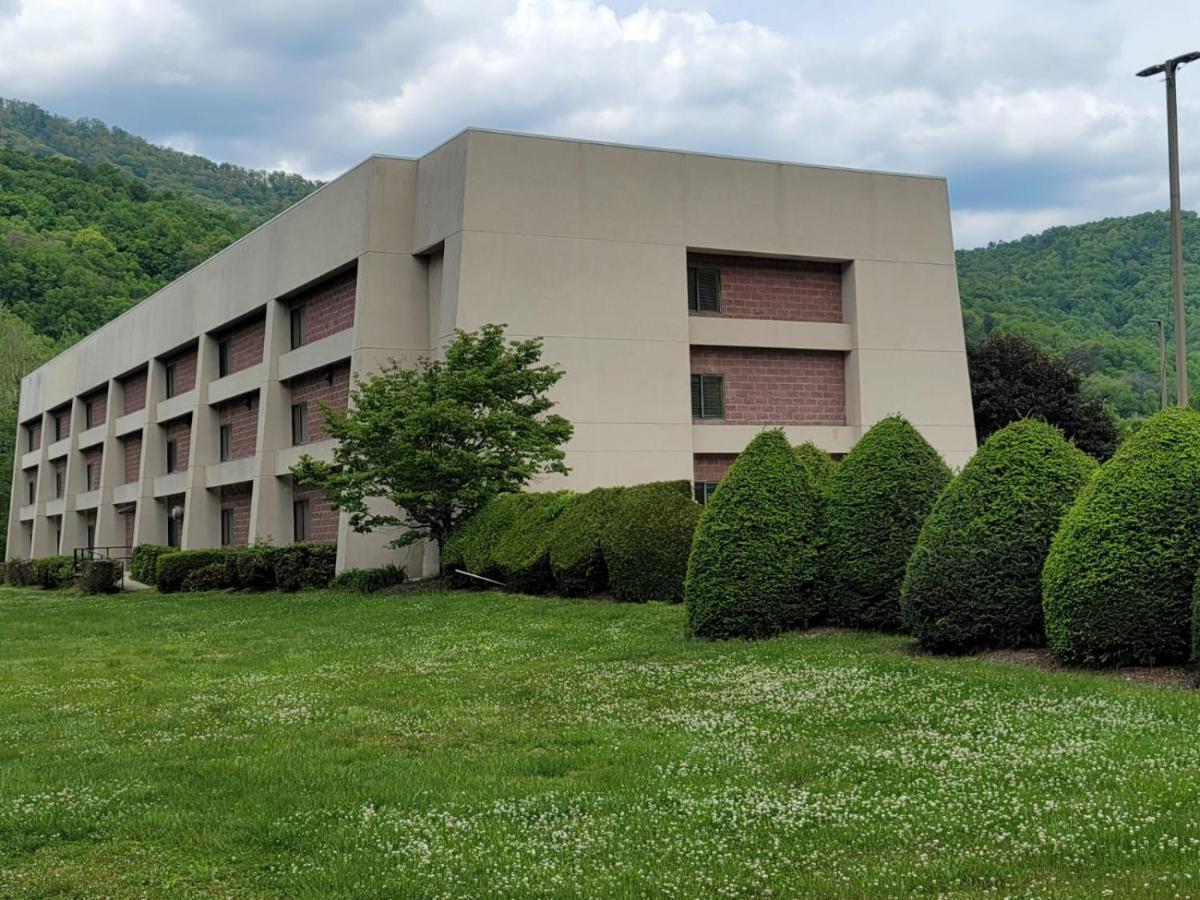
pixel 457 744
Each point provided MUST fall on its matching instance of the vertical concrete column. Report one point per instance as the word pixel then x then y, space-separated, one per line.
pixel 74 531
pixel 271 502
pixel 45 539
pixel 202 510
pixel 110 529
pixel 14 545
pixel 149 522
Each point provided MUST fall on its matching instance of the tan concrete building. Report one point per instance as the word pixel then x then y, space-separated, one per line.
pixel 692 300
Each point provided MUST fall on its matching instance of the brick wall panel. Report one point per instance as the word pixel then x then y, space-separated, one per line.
pixel 132 447
pixel 328 307
pixel 63 417
pixel 99 400
pixel 128 517
pixel 180 431
pixel 316 386
pixel 711 466
pixel 134 389
pixel 246 344
pixel 185 370
pixel 777 387
pixel 33 433
pixel 93 456
pixel 237 497
pixel 781 289
pixel 245 424
pixel 323 520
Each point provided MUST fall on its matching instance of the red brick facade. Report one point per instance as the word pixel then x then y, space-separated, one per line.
pixel 185 369
pixel 323 518
pixel 94 457
pixel 60 469
pixel 180 431
pixel 99 401
pixel 236 497
pixel 314 386
pixel 242 415
pixel 134 389
pixel 61 423
pixel 328 307
pixel 761 288
pixel 33 434
pixel 245 344
pixel 128 517
pixel 777 387
pixel 132 446
pixel 711 466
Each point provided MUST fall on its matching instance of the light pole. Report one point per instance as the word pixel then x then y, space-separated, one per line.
pixel 1168 69
pixel 1162 362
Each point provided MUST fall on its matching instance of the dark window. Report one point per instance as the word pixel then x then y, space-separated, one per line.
pixel 32 490
pixel 299 423
pixel 704 289
pixel 91 537
pixel 58 484
pixel 300 520
pixel 708 397
pixel 172 456
pixel 58 426
pixel 704 490
pixel 226 443
pixel 170 380
pixel 87 414
pixel 297 326
pixel 90 473
pixel 174 525
pixel 226 527
pixel 223 358
pixel 58 532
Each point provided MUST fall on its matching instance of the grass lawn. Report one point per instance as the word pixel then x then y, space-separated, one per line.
pixel 456 744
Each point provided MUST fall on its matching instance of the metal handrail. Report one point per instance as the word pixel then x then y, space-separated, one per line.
pixel 80 554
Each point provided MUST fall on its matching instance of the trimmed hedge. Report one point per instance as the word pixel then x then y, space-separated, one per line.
pixel 254 566
pixel 173 569
pixel 878 499
pixel 19 572
pixel 308 565
pixel 472 546
pixel 212 577
pixel 143 565
pixel 576 549
pixel 522 552
pixel 818 464
pixel 753 564
pixel 54 572
pixel 1117 585
pixel 368 581
pixel 975 577
pixel 100 576
pixel 648 540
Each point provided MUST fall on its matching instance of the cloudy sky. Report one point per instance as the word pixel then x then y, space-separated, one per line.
pixel 1029 108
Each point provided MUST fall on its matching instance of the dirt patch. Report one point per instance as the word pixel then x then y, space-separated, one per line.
pixel 1042 658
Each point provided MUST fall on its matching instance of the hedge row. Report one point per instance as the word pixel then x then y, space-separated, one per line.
pixel 259 567
pixel 632 541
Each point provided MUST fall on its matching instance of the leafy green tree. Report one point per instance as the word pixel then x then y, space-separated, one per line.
pixel 1013 378
pixel 441 439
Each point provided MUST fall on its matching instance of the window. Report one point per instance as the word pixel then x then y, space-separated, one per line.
pixel 91 536
pixel 32 490
pixel 708 397
pixel 226 443
pixel 297 326
pixel 226 527
pixel 172 456
pixel 174 525
pixel 170 380
pixel 58 427
pixel 91 484
pixel 87 413
pixel 300 520
pixel 704 289
pixel 704 490
pixel 223 357
pixel 299 423
pixel 58 483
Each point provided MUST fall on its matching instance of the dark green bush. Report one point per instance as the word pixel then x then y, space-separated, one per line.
pixel 100 576
pixel 1117 585
pixel 173 569
pixel 143 565
pixel 816 462
pixel 19 572
pixel 212 577
pixel 647 542
pixel 877 501
pixel 471 547
pixel 310 565
pixel 576 549
pixel 975 577
pixel 254 566
pixel 522 552
pixel 53 572
pixel 368 581
pixel 753 565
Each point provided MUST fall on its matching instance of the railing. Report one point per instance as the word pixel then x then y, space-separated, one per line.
pixel 121 553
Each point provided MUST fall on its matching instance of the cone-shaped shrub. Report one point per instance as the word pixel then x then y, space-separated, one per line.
pixel 576 548
pixel 816 462
pixel 975 577
pixel 753 565
pixel 1117 585
pixel 522 552
pixel 647 541
pixel 878 498
pixel 471 547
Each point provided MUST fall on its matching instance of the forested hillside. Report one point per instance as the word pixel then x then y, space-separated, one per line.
pixel 251 195
pixel 1092 292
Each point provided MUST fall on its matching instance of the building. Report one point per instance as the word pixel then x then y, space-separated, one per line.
pixel 692 300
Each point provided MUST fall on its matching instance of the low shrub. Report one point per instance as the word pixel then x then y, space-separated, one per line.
pixel 173 569
pixel 143 565
pixel 576 551
pixel 100 576
pixel 310 565
pixel 368 581
pixel 522 552
pixel 647 542
pixel 877 501
pixel 54 572
pixel 19 572
pixel 1117 585
pixel 753 564
pixel 212 577
pixel 254 566
pixel 471 547
pixel 975 577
